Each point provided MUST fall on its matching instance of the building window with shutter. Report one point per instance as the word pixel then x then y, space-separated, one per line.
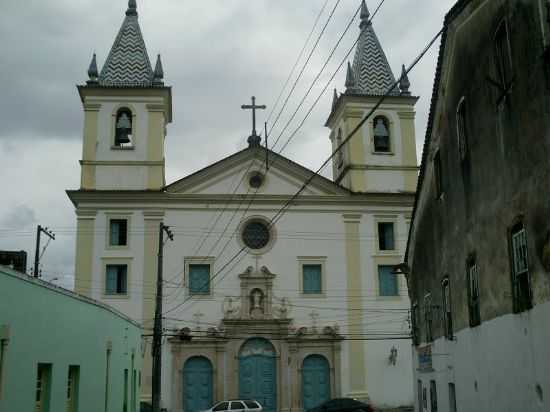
pixel 43 387
pixel 387 281
pixel 386 236
pixel 461 129
pixel 472 276
pixel 447 313
pixel 118 232
pixel 428 317
pixel 433 396
pixel 521 287
pixel 72 388
pixel 312 279
pixel 199 279
pixel 116 279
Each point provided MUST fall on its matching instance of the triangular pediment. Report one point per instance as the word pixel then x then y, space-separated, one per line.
pixel 232 176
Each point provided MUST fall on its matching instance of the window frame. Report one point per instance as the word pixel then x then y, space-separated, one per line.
pixel 73 386
pixel 117 261
pixel 118 216
pixel 521 303
pixel 116 111
pixel 462 129
pixel 415 323
pixel 474 306
pixel 433 396
pixel 389 126
pixel 446 307
pixel 43 384
pixel 198 260
pixel 4 341
pixel 396 278
pixel 312 260
pixel 388 221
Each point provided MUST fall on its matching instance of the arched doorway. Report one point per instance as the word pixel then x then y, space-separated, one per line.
pixel 197 384
pixel 258 373
pixel 315 381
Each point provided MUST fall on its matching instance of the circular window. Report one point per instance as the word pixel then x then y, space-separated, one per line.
pixel 256 235
pixel 256 180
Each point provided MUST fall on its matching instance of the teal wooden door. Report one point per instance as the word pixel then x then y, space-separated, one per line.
pixel 258 373
pixel 197 384
pixel 315 381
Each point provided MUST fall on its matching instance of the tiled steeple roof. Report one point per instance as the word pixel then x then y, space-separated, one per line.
pixel 372 74
pixel 128 63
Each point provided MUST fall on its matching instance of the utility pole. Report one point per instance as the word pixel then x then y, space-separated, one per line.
pixel 39 231
pixel 157 328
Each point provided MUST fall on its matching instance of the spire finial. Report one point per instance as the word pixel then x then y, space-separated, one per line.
pixel 365 14
pixel 334 98
pixel 132 8
pixel 93 73
pixel 158 75
pixel 350 79
pixel 404 83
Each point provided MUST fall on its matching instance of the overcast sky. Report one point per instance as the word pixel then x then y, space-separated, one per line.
pixel 216 54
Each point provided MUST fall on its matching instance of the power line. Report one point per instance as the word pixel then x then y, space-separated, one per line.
pixel 304 66
pixel 297 60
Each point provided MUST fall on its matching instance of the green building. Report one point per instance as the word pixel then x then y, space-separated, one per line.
pixel 60 351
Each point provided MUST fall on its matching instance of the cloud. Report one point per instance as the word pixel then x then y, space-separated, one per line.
pixel 216 54
pixel 20 217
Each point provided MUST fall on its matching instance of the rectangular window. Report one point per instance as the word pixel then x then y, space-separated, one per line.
pixel 433 396
pixel 72 388
pixel 473 293
pixel 118 232
pixel 447 314
pixel 461 129
pixel 134 391
pixel 419 394
pixel 117 280
pixel 43 387
pixel 199 279
pixel 386 239
pixel 437 175
pixel 107 374
pixel 387 281
pixel 452 397
pixel 520 269
pixel 312 281
pixel 125 395
pixel 428 317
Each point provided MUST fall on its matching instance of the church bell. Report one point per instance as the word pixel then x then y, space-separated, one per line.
pixel 123 130
pixel 381 135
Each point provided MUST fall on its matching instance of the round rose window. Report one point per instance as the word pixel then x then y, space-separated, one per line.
pixel 256 235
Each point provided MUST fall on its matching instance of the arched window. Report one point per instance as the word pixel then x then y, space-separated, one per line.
pixel 381 133
pixel 124 128
pixel 461 129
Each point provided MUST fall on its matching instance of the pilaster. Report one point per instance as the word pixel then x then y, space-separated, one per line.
pixel 91 118
pixel 356 348
pixel 85 234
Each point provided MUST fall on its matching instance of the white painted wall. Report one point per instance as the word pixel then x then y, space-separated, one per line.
pixel 507 357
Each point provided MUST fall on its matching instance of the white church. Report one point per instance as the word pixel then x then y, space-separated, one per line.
pixel 291 313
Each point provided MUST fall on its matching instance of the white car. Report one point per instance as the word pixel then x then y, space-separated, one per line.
pixel 236 405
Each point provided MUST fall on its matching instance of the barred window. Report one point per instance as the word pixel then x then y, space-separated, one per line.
pixel 473 292
pixel 428 317
pixel 447 313
pixel 520 269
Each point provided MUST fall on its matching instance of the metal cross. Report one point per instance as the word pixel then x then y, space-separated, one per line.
pixel 252 140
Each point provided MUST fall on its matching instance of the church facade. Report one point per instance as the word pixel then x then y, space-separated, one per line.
pixel 291 308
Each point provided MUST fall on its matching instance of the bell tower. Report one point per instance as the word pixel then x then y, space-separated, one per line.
pixel 126 110
pixel 381 156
